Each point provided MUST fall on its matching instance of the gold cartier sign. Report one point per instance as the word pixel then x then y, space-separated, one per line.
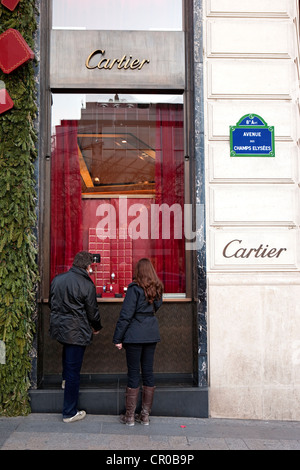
pixel 107 64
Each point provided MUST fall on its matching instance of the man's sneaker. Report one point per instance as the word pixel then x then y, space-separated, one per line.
pixel 63 384
pixel 79 415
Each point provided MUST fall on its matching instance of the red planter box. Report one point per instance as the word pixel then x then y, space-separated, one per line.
pixel 6 102
pixel 10 4
pixel 14 50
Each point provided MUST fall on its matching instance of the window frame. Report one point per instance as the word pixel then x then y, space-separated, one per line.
pixel 45 149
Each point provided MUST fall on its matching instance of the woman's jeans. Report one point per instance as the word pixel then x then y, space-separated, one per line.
pixel 72 361
pixel 140 356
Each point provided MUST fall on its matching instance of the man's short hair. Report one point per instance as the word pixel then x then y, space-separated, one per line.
pixel 83 259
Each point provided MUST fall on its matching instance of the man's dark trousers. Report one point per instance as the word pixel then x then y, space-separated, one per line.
pixel 72 362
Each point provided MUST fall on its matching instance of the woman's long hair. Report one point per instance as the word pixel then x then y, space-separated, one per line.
pixel 145 276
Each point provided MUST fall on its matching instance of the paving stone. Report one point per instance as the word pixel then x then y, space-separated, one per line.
pixel 48 432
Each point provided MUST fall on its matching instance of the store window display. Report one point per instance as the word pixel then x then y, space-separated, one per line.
pixel 117 187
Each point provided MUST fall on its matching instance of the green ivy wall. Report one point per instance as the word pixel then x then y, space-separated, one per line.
pixel 18 251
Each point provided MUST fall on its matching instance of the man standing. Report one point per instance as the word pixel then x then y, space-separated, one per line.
pixel 74 319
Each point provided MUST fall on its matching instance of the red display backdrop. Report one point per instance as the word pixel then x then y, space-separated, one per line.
pixel 10 4
pixel 14 50
pixel 116 258
pixel 6 102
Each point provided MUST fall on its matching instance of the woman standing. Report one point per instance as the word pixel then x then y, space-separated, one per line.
pixel 137 330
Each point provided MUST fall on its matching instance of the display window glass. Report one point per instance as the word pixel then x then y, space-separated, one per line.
pixel 117 187
pixel 128 15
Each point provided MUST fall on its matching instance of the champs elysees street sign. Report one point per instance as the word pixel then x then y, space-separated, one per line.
pixel 252 137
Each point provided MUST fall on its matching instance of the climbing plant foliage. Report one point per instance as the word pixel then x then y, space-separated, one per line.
pixel 18 267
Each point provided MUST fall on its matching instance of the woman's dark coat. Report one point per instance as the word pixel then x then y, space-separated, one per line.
pixel 137 322
pixel 74 308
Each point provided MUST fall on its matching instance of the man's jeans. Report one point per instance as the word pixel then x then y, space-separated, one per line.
pixel 140 356
pixel 72 362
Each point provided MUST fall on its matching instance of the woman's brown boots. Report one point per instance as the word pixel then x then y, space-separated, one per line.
pixel 131 401
pixel 147 400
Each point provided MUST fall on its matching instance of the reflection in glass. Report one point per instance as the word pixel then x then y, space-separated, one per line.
pixel 117 188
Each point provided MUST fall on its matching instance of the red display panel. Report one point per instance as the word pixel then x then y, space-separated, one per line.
pixel 6 102
pixel 14 51
pixel 10 4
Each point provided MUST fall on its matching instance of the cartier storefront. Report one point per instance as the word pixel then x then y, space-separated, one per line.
pixel 118 182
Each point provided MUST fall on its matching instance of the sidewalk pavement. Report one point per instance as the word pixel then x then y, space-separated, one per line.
pixel 183 435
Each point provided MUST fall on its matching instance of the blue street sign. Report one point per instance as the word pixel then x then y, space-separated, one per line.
pixel 252 137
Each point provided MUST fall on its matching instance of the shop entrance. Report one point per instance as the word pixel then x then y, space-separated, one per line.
pixel 115 159
pixel 117 190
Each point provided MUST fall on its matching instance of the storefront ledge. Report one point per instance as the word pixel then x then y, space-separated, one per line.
pixel 169 401
pixel 118 299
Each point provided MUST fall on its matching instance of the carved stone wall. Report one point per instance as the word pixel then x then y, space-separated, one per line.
pixel 251 65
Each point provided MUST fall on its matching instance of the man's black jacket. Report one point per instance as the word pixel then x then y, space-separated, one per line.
pixel 74 309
